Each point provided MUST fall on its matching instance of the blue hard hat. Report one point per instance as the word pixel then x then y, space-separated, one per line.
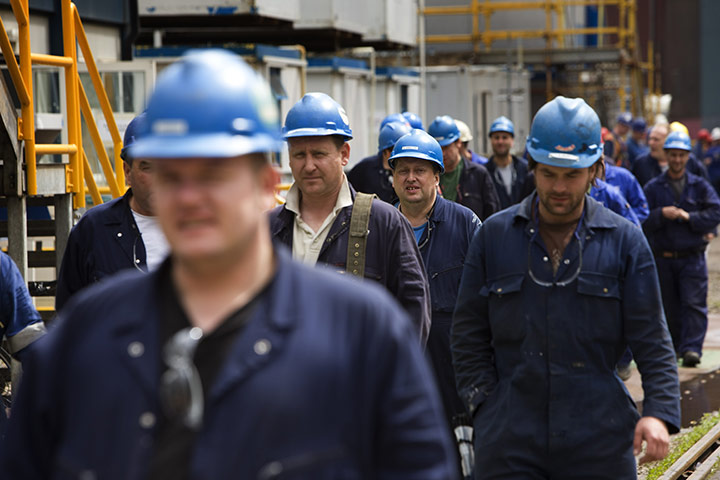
pixel 394 117
pixel 565 133
pixel 639 124
pixel 625 118
pixel 131 131
pixel 444 130
pixel 390 133
pixel 418 144
pixel 677 140
pixel 414 120
pixel 210 103
pixel 502 124
pixel 317 115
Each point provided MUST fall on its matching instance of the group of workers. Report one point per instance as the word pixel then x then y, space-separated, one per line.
pixel 461 299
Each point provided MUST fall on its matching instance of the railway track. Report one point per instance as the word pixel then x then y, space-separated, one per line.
pixel 697 462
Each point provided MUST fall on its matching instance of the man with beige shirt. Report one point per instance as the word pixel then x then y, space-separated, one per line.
pixel 316 219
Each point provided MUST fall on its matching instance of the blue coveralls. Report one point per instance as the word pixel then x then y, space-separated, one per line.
pixel 523 182
pixel 634 150
pixel 370 176
pixel 104 241
pixel 20 323
pixel 475 158
pixel 611 198
pixel 646 168
pixel 535 361
pixel 443 246
pixel 679 249
pixel 629 187
pixel 340 388
pixel 713 156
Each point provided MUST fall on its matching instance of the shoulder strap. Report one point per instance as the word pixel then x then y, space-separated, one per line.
pixel 357 242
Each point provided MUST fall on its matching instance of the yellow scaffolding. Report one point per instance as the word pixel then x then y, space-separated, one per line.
pixel 555 33
pixel 78 171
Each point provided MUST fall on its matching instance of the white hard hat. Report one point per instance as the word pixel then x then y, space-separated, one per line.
pixel 715 134
pixel 465 135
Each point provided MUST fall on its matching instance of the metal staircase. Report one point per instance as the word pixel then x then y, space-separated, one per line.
pixel 58 186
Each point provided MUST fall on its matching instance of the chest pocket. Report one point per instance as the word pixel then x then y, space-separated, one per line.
pixel 508 319
pixel 600 310
pixel 444 285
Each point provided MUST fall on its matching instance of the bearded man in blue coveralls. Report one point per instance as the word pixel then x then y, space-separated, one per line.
pixel 684 208
pixel 552 292
pixel 443 230
pixel 231 361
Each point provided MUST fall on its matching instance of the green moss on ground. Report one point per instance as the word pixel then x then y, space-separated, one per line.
pixel 682 443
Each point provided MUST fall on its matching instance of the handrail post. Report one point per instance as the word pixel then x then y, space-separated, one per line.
pixel 20 8
pixel 73 111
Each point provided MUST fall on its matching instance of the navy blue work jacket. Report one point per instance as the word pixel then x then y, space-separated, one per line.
pixel 535 361
pixel 523 182
pixel 369 176
pixel 392 257
pixel 104 241
pixel 698 198
pixel 443 246
pixel 628 185
pixel 646 168
pixel 337 391
pixel 476 190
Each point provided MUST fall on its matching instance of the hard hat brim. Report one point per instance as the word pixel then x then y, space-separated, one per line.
pixel 564 160
pixel 315 132
pixel 417 155
pixel 677 146
pixel 210 145
pixel 447 141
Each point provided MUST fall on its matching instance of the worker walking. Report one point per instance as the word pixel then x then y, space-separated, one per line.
pixel 683 209
pixel 443 231
pixel 655 162
pixel 547 304
pixel 120 234
pixel 510 174
pixel 373 174
pixel 325 221
pixel 231 360
pixel 464 182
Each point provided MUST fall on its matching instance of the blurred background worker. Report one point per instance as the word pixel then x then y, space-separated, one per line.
pixel 322 209
pixel 712 158
pixel 636 144
pixel 373 174
pixel 547 304
pixel 702 144
pixel 510 174
pixel 20 323
pixel 465 138
pixel 629 187
pixel 231 360
pixel 655 162
pixel 683 209
pixel 443 230
pixel 120 234
pixel 464 182
pixel 414 120
pixel 620 131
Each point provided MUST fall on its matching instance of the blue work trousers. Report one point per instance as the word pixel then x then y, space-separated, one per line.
pixel 684 286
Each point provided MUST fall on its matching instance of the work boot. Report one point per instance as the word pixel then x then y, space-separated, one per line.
pixel 690 359
pixel 624 371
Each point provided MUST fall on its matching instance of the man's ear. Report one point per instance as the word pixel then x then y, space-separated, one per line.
pixel 345 153
pixel 126 170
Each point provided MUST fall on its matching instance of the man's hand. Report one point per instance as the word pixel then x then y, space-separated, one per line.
pixel 672 212
pixel 654 432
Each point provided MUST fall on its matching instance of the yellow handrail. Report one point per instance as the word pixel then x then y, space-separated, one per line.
pixel 102 97
pixel 78 171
